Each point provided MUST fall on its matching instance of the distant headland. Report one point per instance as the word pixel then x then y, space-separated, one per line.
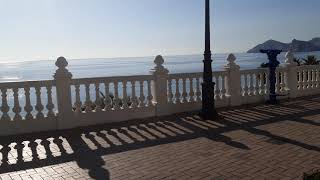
pixel 296 45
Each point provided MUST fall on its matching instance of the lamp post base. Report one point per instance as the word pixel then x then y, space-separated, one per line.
pixel 208 106
pixel 209 116
pixel 273 99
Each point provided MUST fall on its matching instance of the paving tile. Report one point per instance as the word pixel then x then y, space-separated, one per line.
pixel 251 142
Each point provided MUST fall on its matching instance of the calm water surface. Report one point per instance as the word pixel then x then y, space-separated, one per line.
pixel 80 68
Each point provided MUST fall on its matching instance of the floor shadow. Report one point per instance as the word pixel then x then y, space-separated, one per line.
pixel 87 146
pixel 86 158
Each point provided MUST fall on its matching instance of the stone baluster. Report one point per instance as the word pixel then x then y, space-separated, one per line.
pixel 291 81
pixel 267 84
pixel 217 88
pixel 184 91
pixel 313 78
pixel 107 100
pixel 66 119
pixel 88 102
pixel 170 93
pixel 198 91
pixel 160 86
pixel 125 96
pixel 278 76
pixel 16 107
pixel 98 101
pixel 246 85
pixel 149 96
pixel 191 92
pixel 77 103
pixel 39 107
pixel 142 98
pixel 300 83
pixel 252 88
pixel 223 87
pixel 50 104
pixel 309 81
pixel 177 94
pixel 260 80
pixel 301 79
pixel 283 82
pixel 134 99
pixel 28 107
pixel 257 85
pixel 279 81
pixel 116 99
pixel 305 79
pixel 233 82
pixel 310 78
pixel 317 78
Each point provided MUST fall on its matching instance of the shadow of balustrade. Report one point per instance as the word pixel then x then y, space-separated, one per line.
pixel 87 146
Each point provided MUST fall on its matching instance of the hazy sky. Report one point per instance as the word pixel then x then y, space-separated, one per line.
pixel 46 29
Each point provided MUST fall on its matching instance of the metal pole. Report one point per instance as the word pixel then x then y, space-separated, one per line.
pixel 208 105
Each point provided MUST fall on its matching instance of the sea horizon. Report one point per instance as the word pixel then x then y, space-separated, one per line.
pixel 21 60
pixel 123 66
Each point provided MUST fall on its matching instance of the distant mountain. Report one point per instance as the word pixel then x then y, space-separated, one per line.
pixel 316 41
pixel 296 45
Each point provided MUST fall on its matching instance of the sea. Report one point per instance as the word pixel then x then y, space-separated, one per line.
pixel 106 67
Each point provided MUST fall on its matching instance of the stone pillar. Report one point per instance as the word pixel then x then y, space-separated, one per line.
pixel 159 86
pixel 63 78
pixel 233 81
pixel 291 76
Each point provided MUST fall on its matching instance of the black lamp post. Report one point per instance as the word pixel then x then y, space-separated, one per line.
pixel 208 105
pixel 273 64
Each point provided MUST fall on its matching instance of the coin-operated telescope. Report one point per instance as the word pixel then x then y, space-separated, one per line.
pixel 272 64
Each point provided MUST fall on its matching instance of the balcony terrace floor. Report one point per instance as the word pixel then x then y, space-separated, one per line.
pixel 250 142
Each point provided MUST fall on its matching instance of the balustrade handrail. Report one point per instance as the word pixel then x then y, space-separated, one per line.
pixel 306 67
pixel 185 75
pixel 254 71
pixel 22 84
pixel 194 74
pixel 111 79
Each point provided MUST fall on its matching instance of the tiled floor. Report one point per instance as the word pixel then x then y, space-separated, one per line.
pixel 256 142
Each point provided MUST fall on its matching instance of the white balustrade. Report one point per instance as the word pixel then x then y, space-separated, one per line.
pixel 21 95
pixel 179 91
pixel 66 102
pixel 28 107
pixel 280 80
pixel 107 99
pixel 5 108
pixel 50 104
pixel 149 95
pixel 17 96
pixel 308 79
pixel 186 87
pixel 112 93
pixel 198 90
pixel 254 82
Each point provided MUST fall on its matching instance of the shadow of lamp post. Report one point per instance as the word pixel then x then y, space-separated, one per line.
pixel 208 105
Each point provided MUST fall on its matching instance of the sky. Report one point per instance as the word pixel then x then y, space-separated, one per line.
pixel 47 29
